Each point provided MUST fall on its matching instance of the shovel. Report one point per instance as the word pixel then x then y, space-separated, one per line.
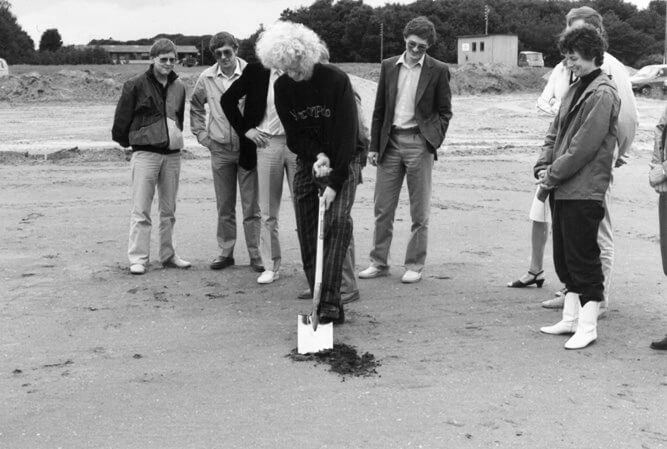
pixel 316 338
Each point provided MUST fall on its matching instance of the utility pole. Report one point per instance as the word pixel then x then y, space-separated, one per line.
pixel 382 40
pixel 486 19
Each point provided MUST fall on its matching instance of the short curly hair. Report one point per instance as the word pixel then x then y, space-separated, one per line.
pixel 420 27
pixel 586 41
pixel 286 44
pixel 221 39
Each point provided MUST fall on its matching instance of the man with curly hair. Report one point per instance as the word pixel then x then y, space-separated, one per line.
pixel 316 105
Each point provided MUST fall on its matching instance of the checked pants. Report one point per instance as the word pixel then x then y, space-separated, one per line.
pixel 337 227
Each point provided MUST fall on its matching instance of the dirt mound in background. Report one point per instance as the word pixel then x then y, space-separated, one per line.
pixel 496 79
pixel 69 85
pixel 104 85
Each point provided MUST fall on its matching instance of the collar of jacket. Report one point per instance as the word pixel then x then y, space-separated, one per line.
pixel 601 80
pixel 212 71
pixel 151 75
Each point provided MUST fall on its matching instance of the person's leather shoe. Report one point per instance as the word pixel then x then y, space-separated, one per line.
pixel 410 277
pixel 348 297
pixel 660 345
pixel 257 265
pixel 373 272
pixel 306 294
pixel 176 262
pixel 137 268
pixel 331 314
pixel 221 262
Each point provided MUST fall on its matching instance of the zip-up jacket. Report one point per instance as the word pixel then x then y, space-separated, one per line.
pixel 579 147
pixel 217 127
pixel 149 116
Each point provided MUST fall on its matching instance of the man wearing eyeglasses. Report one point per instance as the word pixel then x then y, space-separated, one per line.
pixel 149 117
pixel 410 120
pixel 228 164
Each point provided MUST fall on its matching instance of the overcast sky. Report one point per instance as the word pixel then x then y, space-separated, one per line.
pixel 80 21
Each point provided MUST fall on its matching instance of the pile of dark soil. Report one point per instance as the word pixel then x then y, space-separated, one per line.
pixel 342 359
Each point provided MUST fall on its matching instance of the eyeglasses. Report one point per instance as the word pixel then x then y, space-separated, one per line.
pixel 414 45
pixel 167 60
pixel 227 53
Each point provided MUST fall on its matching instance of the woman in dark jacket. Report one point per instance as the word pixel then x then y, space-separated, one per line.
pixel 574 169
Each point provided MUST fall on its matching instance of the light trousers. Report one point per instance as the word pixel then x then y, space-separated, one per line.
pixel 226 174
pixel 151 171
pixel 406 156
pixel 274 162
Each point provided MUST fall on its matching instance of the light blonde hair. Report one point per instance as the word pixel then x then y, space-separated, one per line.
pixel 288 45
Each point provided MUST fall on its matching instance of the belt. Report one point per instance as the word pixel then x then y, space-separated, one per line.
pixel 413 130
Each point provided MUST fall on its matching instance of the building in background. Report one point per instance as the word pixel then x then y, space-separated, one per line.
pixel 130 54
pixel 488 48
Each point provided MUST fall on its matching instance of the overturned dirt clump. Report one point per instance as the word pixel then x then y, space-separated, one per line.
pixel 342 359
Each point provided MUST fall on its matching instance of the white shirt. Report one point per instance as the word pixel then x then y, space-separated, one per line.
pixel 406 93
pixel 228 80
pixel 271 122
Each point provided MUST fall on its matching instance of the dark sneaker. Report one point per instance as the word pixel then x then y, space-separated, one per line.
pixel 221 262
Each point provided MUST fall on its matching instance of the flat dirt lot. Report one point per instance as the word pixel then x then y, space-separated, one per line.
pixel 93 357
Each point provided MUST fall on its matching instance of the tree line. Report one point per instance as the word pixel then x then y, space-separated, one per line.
pixel 356 32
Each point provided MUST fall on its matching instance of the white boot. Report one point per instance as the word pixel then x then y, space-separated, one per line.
pixel 570 312
pixel 586 328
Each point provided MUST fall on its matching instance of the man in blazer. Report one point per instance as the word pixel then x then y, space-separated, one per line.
pixel 262 143
pixel 410 120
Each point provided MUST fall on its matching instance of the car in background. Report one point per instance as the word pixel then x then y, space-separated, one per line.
pixel 531 59
pixel 649 78
pixel 189 61
pixel 4 67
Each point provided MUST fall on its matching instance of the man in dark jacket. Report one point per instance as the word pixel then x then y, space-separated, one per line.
pixel 411 116
pixel 262 143
pixel 149 117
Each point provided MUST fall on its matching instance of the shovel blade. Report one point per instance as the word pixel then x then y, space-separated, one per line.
pixel 311 339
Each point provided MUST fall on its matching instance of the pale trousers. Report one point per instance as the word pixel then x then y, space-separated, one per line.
pixel 274 162
pixel 606 243
pixel 406 156
pixel 151 170
pixel 226 174
pixel 348 283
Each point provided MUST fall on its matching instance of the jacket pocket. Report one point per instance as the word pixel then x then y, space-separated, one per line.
pixel 175 135
pixel 153 134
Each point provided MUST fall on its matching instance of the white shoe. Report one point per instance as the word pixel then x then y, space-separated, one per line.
pixel 587 326
pixel 373 272
pixel 568 324
pixel 176 262
pixel 410 277
pixel 554 303
pixel 137 268
pixel 267 277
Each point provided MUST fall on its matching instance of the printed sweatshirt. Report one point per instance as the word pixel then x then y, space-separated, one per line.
pixel 320 116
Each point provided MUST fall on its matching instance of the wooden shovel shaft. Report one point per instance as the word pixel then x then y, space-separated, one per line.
pixel 319 260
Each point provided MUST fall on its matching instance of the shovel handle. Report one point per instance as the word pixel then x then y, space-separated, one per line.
pixel 319 262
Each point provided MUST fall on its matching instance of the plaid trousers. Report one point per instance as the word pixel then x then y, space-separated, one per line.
pixel 337 227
